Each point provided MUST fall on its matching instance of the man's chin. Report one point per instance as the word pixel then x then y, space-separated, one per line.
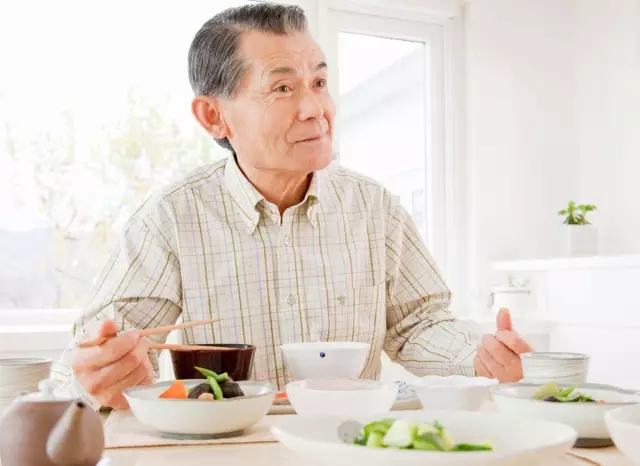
pixel 314 160
pixel 318 163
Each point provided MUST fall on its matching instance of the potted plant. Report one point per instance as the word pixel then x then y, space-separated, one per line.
pixel 583 237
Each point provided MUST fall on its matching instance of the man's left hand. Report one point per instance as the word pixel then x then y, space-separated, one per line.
pixel 498 356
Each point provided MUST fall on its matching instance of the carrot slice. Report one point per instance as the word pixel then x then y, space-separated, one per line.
pixel 176 390
pixel 281 395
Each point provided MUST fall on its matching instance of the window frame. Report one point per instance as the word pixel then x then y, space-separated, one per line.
pixel 441 21
pixel 432 36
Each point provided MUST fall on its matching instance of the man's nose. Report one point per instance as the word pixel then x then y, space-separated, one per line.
pixel 310 106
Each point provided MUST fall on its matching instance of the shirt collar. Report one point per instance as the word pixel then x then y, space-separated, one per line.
pixel 247 198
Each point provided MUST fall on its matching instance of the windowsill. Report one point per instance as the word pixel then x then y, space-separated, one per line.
pixel 38 317
pixel 22 329
pixel 35 332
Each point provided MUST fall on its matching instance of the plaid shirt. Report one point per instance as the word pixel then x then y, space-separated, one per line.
pixel 347 263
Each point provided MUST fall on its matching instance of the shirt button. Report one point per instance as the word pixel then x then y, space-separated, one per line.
pixel 291 299
pixel 286 240
pixel 251 224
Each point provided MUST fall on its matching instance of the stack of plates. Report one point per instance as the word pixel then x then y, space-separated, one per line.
pixel 19 376
pixel 540 368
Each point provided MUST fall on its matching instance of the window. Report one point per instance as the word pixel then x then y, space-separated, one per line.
pixel 95 113
pixel 382 87
pixel 391 111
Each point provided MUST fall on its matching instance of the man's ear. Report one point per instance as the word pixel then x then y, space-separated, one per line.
pixel 207 111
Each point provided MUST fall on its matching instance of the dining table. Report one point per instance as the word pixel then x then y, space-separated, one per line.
pixel 275 454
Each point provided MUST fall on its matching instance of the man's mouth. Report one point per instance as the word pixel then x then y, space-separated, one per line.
pixel 313 138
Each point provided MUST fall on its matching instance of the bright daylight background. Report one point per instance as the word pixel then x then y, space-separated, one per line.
pixel 485 116
pixel 108 118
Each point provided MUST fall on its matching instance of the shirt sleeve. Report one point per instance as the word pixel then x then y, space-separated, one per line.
pixel 422 334
pixel 140 287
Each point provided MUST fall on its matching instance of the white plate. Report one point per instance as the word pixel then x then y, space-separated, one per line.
pixel 198 417
pixel 453 392
pixel 334 396
pixel 515 441
pixel 405 401
pixel 624 426
pixel 586 418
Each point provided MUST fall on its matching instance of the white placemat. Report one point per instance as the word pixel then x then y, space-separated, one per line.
pixel 123 430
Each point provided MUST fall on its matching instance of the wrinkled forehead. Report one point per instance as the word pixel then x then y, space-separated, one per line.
pixel 265 53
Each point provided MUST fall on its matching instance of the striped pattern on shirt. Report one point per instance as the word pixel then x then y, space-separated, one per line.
pixel 347 263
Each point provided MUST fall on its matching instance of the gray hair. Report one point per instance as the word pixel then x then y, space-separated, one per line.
pixel 216 67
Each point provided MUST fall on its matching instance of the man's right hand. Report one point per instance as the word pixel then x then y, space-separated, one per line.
pixel 121 362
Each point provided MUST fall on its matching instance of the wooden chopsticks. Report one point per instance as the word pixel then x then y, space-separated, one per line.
pixel 155 331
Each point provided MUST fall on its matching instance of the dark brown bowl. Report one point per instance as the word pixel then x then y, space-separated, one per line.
pixel 238 362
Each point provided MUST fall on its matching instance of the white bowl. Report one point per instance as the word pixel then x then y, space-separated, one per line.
pixel 542 367
pixel 200 417
pixel 316 397
pixel 624 427
pixel 321 360
pixel 22 375
pixel 586 418
pixel 515 441
pixel 453 391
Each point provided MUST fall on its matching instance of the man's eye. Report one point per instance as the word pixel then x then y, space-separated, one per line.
pixel 321 83
pixel 283 88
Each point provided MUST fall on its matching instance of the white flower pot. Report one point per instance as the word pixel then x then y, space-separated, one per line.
pixel 583 240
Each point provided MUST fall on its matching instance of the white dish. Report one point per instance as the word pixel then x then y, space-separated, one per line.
pixel 515 441
pixel 22 375
pixel 405 401
pixel 453 391
pixel 321 360
pixel 354 397
pixel 198 417
pixel 586 418
pixel 542 367
pixel 624 427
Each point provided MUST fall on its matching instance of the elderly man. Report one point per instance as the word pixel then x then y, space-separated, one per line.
pixel 277 242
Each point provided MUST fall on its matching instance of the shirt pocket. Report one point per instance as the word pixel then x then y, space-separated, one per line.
pixel 352 314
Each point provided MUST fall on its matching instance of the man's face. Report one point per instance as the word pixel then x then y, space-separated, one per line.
pixel 282 115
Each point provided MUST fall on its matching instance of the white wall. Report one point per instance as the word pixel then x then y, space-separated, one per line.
pixel 521 137
pixel 553 91
pixel 608 117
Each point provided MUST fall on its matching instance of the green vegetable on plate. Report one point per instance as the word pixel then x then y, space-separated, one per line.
pixel 551 392
pixel 207 373
pixel 405 435
pixel 217 391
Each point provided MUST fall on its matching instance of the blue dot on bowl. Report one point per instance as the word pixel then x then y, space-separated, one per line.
pixel 322 355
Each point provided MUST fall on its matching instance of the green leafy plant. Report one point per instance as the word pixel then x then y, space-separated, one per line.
pixel 576 214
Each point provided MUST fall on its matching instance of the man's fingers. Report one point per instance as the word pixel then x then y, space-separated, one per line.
pixel 137 377
pixel 108 383
pixel 493 367
pixel 114 349
pixel 503 319
pixel 479 366
pixel 503 355
pixel 109 375
pixel 513 341
pixel 99 329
